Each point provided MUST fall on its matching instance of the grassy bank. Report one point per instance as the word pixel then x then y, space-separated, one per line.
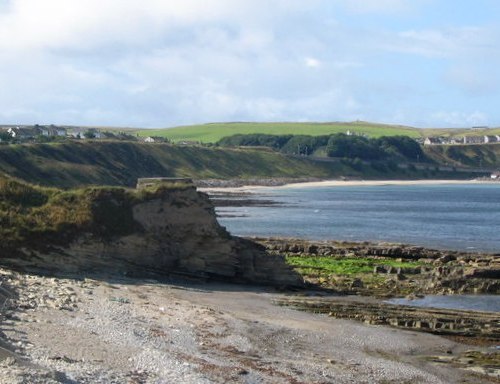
pixel 74 164
pixel 122 163
pixel 478 156
pixel 37 216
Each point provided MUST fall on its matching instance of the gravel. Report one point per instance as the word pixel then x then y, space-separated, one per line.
pixel 114 330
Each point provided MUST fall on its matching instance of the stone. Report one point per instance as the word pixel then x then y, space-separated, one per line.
pixel 180 235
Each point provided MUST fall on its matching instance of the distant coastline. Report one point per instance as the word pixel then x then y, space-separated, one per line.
pixel 340 183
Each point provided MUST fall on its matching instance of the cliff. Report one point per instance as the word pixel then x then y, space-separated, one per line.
pixel 161 230
pixel 76 164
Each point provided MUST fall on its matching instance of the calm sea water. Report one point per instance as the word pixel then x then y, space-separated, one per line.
pixel 470 302
pixel 460 217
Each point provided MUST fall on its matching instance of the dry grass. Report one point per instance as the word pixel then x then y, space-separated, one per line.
pixel 36 216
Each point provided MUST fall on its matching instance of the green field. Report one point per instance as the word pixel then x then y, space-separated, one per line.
pixel 450 132
pixel 211 133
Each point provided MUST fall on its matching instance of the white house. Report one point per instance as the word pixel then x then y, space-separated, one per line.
pixel 155 139
pixel 23 133
pixel 491 139
pixel 51 130
pixel 432 141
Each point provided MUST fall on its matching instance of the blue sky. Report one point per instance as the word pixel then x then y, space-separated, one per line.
pixel 161 63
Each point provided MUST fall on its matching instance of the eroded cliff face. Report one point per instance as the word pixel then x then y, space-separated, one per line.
pixel 177 233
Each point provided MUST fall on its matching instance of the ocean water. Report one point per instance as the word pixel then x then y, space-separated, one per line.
pixel 488 303
pixel 459 217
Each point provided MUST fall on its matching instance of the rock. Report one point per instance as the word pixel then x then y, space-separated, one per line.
pixel 179 234
pixel 311 249
pixel 380 269
pixel 357 283
pixel 446 259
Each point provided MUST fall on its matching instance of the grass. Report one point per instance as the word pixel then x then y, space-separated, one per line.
pixel 211 133
pixel 37 216
pixel 448 132
pixel 324 265
pixel 70 165
pixel 487 155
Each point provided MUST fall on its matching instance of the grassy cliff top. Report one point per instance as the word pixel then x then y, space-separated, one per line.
pixel 33 215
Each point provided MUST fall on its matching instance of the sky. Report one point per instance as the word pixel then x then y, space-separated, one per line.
pixel 162 63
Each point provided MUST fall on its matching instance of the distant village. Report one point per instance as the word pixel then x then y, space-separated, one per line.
pixel 441 140
pixel 47 133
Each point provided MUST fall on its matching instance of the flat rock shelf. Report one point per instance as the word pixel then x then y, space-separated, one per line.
pixel 438 321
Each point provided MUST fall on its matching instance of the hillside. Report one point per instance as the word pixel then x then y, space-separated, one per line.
pixel 73 164
pixel 478 156
pixel 122 163
pixel 211 133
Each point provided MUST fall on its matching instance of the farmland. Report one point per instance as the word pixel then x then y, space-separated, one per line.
pixel 211 133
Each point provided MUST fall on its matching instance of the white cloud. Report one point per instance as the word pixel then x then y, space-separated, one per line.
pixel 85 24
pixel 166 62
pixel 311 62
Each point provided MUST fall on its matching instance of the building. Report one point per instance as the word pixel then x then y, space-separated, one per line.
pixel 24 133
pixel 474 140
pixel 155 139
pixel 456 140
pixel 495 175
pixel 432 141
pixel 491 139
pixel 86 133
pixel 51 130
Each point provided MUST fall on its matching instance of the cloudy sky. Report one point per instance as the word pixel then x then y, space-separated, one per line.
pixel 161 63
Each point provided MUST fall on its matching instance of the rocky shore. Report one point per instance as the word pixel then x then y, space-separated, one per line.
pixel 474 324
pixel 112 329
pixel 422 271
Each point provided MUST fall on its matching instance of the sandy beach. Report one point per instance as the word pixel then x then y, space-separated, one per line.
pixel 338 183
pixel 349 183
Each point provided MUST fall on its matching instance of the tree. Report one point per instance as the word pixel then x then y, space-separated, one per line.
pixel 89 134
pixel 5 137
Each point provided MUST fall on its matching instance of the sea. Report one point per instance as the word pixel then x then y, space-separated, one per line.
pixel 463 217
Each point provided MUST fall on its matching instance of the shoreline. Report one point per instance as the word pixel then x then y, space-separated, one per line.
pixel 125 330
pixel 352 183
pixel 341 183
